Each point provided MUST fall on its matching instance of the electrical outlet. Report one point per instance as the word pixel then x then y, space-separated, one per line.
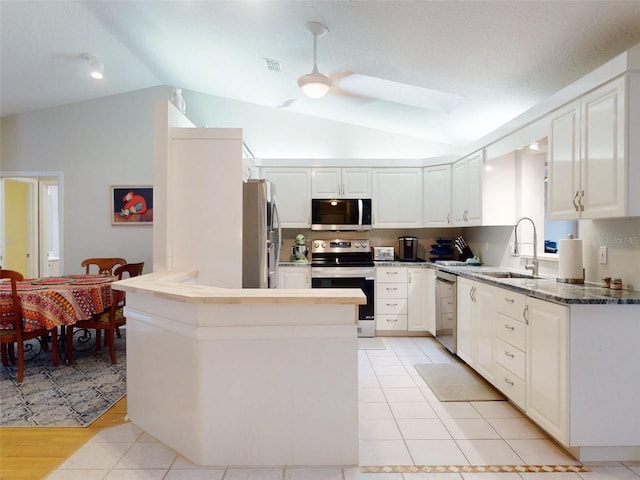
pixel 603 255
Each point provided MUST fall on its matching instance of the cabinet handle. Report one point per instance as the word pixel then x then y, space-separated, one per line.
pixel 525 314
pixel 391 289
pixel 509 354
pixel 392 304
pixel 509 327
pixel 392 273
pixel 509 300
pixel 448 218
pixel 580 204
pixel 464 216
pixel 392 320
pixel 506 380
pixel 575 201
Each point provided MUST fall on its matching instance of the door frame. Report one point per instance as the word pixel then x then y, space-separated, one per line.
pixel 37 249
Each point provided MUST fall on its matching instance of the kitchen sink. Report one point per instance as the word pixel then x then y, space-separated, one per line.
pixel 510 275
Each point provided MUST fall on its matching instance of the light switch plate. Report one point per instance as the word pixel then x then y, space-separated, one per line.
pixel 603 255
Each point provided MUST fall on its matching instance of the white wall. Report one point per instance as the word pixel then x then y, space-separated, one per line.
pixel 282 133
pixel 94 144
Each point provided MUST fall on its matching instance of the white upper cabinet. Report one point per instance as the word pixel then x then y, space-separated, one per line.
pixel 588 172
pixel 341 182
pixel 397 197
pixel 293 195
pixel 466 187
pixel 437 196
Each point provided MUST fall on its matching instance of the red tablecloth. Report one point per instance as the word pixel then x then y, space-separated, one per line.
pixel 55 301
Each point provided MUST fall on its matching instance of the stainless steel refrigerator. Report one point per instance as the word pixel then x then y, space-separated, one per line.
pixel 261 235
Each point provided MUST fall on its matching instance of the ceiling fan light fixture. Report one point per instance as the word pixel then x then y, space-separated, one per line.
pixel 315 84
pixel 96 67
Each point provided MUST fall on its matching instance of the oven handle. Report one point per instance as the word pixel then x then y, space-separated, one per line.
pixel 342 272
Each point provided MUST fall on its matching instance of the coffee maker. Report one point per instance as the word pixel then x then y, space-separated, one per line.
pixel 408 249
pixel 299 250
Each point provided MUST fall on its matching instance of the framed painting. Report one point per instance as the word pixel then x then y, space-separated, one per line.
pixel 131 205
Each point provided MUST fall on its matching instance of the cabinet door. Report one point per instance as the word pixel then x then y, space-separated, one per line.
pixel 294 277
pixel 546 355
pixel 356 182
pixel 473 187
pixel 437 196
pixel 293 194
pixel 326 182
pixel 563 186
pixel 465 319
pixel 431 303
pixel 419 300
pixel 397 197
pixel 466 188
pixel 603 163
pixel 483 330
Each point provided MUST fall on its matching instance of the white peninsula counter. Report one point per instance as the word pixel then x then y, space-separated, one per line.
pixel 254 377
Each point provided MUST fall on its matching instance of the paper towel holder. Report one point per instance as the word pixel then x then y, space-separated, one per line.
pixel 575 281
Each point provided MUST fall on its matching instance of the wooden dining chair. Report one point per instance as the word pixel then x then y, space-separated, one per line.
pixel 12 330
pixel 109 320
pixel 105 265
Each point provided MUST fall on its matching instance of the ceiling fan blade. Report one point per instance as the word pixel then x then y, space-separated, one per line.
pixel 287 103
pixel 412 95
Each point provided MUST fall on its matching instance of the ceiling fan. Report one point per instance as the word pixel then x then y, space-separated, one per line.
pixel 317 85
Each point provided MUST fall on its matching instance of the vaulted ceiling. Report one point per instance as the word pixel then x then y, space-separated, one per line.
pixel 498 58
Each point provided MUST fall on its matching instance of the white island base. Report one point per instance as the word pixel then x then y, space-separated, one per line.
pixel 243 377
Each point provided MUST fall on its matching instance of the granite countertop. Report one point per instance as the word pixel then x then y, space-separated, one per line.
pixel 294 264
pixel 547 288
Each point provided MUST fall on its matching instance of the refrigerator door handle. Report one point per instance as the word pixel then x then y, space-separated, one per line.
pixel 276 224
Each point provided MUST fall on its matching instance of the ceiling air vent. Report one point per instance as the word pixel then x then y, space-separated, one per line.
pixel 273 65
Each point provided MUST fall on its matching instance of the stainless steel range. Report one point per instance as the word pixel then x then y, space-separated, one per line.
pixel 346 264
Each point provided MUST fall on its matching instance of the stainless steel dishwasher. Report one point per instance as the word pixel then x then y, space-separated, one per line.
pixel 446 323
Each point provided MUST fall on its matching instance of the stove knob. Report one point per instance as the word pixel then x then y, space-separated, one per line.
pixel 316 244
pixel 324 244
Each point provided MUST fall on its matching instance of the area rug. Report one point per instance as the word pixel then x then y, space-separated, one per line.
pixel 457 382
pixel 67 396
pixel 374 343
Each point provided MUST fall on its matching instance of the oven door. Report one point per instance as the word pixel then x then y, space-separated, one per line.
pixel 350 277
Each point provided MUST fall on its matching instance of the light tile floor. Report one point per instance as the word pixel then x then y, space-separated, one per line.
pixel 401 424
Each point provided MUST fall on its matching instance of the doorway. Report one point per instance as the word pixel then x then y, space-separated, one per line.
pixel 30 225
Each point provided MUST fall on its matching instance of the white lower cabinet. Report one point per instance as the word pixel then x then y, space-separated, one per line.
pixel 391 304
pixel 475 329
pixel 520 345
pixel 294 277
pixel 547 366
pixel 510 346
pixel 402 300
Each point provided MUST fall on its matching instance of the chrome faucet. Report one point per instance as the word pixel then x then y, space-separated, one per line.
pixel 534 265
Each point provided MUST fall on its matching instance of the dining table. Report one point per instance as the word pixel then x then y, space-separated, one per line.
pixel 59 301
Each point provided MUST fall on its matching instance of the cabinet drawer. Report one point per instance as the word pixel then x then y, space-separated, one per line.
pixel 510 357
pixel 510 304
pixel 511 331
pixel 392 274
pixel 510 385
pixel 391 306
pixel 391 322
pixel 391 290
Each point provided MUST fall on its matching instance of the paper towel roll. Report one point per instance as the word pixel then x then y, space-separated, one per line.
pixel 570 252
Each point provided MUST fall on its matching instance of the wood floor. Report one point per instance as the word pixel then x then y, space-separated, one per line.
pixel 32 453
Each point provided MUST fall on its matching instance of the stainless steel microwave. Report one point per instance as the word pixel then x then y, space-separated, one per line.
pixel 341 214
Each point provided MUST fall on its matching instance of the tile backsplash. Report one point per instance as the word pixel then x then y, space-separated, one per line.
pixel 493 246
